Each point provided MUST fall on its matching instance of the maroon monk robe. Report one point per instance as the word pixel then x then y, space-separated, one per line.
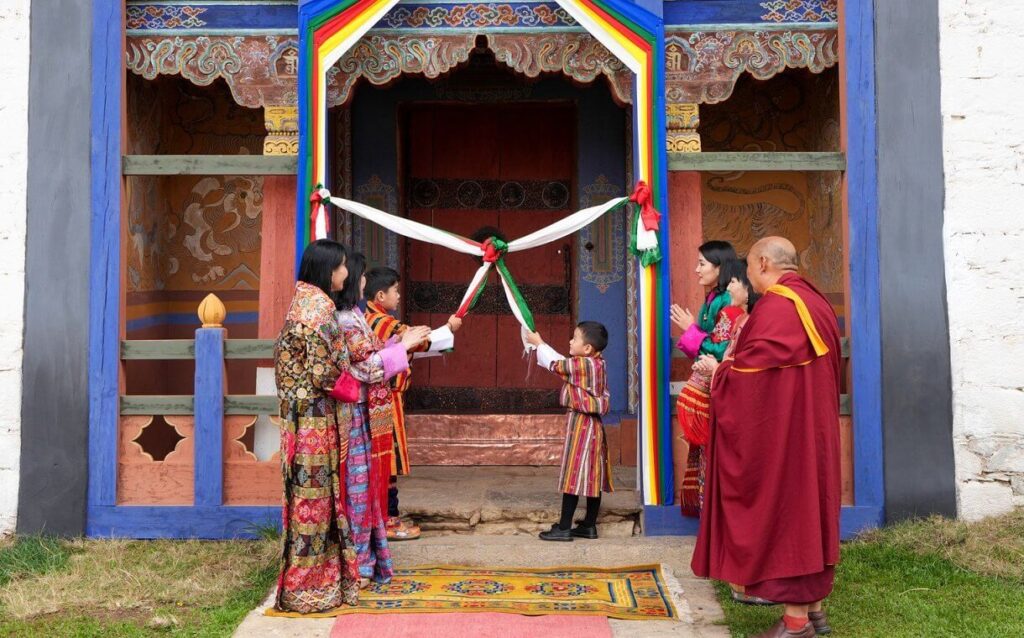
pixel 772 496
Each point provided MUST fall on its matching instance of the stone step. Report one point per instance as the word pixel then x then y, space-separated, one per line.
pixel 503 500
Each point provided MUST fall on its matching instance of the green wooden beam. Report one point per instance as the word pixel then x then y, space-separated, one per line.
pixel 158 349
pixel 156 404
pixel 755 161
pixel 209 165
pixel 251 404
pixel 249 349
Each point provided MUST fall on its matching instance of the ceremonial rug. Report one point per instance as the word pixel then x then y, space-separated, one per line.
pixel 630 593
pixel 475 625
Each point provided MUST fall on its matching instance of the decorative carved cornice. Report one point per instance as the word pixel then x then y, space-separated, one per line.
pixel 578 55
pixel 258 70
pixel 262 71
pixel 383 58
pixel 702 67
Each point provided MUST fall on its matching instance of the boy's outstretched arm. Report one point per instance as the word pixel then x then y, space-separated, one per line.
pixel 441 339
pixel 546 355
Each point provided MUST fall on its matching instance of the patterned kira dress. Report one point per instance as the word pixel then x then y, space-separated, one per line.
pixel 586 467
pixel 373 363
pixel 710 334
pixel 319 569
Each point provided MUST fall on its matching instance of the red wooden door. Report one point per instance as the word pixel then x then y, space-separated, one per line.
pixel 469 167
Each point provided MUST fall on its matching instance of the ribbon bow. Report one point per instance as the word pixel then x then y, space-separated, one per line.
pixel 494 249
pixel 643 225
pixel 642 197
pixel 318 216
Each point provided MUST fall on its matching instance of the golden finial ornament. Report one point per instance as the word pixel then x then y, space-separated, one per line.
pixel 212 312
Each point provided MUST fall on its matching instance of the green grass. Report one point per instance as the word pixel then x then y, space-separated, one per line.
pixel 131 588
pixel 918 580
pixel 201 622
pixel 29 555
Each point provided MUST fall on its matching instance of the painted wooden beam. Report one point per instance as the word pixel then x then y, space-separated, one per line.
pixel 158 349
pixel 209 165
pixel 858 104
pixel 209 421
pixel 169 404
pixel 156 404
pixel 249 349
pixel 250 404
pixel 105 248
pixel 168 349
pixel 756 161
pixel 214 522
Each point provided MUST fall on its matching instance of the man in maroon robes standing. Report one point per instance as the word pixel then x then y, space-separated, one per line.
pixel 772 493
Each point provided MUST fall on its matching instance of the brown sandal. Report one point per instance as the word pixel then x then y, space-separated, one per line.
pixel 399 530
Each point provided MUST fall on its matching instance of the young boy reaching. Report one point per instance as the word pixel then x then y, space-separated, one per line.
pixel 382 299
pixel 586 469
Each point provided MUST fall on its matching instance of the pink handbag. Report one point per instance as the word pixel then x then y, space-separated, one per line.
pixel 346 389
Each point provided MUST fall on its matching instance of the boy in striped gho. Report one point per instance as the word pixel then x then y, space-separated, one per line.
pixel 382 298
pixel 586 469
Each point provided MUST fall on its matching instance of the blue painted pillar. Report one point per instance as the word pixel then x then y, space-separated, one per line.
pixel 208 408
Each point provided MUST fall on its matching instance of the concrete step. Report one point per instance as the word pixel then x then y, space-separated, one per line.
pixel 507 500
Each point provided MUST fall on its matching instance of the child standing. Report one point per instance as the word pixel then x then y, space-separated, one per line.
pixel 586 468
pixel 382 299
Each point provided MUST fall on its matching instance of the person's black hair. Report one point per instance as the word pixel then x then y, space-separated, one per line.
pixel 319 261
pixel 594 334
pixel 718 252
pixel 737 268
pixel 348 298
pixel 380 279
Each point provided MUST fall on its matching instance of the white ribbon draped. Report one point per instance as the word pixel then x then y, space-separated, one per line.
pixel 422 232
pixel 415 230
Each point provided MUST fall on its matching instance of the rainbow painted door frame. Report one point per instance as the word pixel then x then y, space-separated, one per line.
pixel 329 28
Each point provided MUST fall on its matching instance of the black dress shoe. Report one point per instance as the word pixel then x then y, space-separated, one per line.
pixel 583 531
pixel 556 533
pixel 820 621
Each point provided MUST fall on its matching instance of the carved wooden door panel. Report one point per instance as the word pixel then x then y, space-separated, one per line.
pixel 469 167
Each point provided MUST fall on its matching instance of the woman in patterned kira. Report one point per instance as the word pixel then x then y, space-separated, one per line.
pixel 319 569
pixel 371 424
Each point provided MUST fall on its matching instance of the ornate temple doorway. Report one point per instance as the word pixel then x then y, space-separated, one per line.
pixel 484 150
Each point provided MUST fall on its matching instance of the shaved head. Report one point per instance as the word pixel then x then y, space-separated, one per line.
pixel 769 259
pixel 778 250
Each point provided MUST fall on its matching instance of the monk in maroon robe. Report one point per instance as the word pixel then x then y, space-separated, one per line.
pixel 772 493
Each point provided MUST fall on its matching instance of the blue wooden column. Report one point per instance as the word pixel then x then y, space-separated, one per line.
pixel 209 417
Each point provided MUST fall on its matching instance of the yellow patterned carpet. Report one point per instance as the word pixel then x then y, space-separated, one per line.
pixel 631 593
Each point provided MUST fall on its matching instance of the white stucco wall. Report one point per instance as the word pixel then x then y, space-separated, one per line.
pixel 983 140
pixel 14 33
